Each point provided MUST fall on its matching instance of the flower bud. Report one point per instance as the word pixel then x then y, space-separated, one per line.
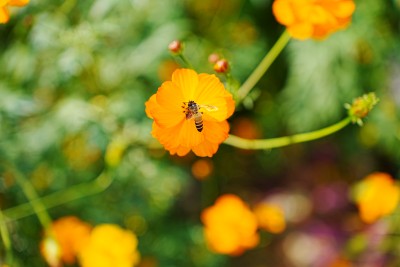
pixel 361 106
pixel 175 47
pixel 221 66
pixel 213 58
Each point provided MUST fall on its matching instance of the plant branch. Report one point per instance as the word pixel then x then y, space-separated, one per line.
pixel 286 140
pixel 259 71
pixel 98 185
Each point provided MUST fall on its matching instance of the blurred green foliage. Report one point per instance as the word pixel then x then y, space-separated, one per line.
pixel 75 75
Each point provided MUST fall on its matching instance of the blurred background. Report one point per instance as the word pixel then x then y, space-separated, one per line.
pixel 74 78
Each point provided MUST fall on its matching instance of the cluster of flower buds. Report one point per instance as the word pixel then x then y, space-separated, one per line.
pixel 220 65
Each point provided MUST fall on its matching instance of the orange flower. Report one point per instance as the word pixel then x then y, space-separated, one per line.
pixel 177 107
pixel 4 13
pixel 230 226
pixel 70 234
pixel 270 217
pixel 376 196
pixel 110 246
pixel 313 18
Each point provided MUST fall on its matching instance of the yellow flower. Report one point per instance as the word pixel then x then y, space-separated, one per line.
pixel 69 234
pixel 115 151
pixel 270 217
pixel 313 18
pixel 110 246
pixel 178 103
pixel 376 196
pixel 230 226
pixel 4 4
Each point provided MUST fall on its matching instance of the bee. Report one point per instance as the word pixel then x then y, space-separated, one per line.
pixel 193 111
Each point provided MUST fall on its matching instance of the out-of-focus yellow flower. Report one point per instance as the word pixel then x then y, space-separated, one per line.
pixel 114 152
pixel 190 113
pixel 5 4
pixel 70 234
pixel 230 226
pixel 313 18
pixel 376 196
pixel 270 217
pixel 110 246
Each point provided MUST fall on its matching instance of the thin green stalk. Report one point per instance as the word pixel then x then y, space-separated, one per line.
pixel 98 185
pixel 5 236
pixel 286 140
pixel 33 197
pixel 185 60
pixel 259 71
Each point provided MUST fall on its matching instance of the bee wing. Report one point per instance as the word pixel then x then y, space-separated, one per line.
pixel 209 107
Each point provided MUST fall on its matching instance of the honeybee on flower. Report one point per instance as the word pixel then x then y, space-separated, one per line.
pixel 205 101
pixel 192 110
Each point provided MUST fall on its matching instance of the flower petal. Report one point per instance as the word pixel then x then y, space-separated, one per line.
pixel 216 132
pixel 187 81
pixel 183 134
pixel 205 149
pixel 18 2
pixel 301 31
pixel 4 15
pixel 166 136
pixel 188 135
pixel 150 106
pixel 164 117
pixel 209 87
pixel 180 151
pixel 212 92
pixel 230 103
pixel 170 97
pixel 343 9
pixel 283 12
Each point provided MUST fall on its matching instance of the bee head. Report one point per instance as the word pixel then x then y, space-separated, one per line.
pixel 192 104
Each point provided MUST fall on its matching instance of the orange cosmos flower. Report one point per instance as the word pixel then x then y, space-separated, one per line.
pixel 376 196
pixel 69 234
pixel 4 4
pixel 190 113
pixel 230 226
pixel 313 18
pixel 110 246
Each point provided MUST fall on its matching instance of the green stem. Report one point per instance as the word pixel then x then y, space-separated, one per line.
pixel 263 66
pixel 98 185
pixel 5 236
pixel 286 140
pixel 185 60
pixel 33 197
